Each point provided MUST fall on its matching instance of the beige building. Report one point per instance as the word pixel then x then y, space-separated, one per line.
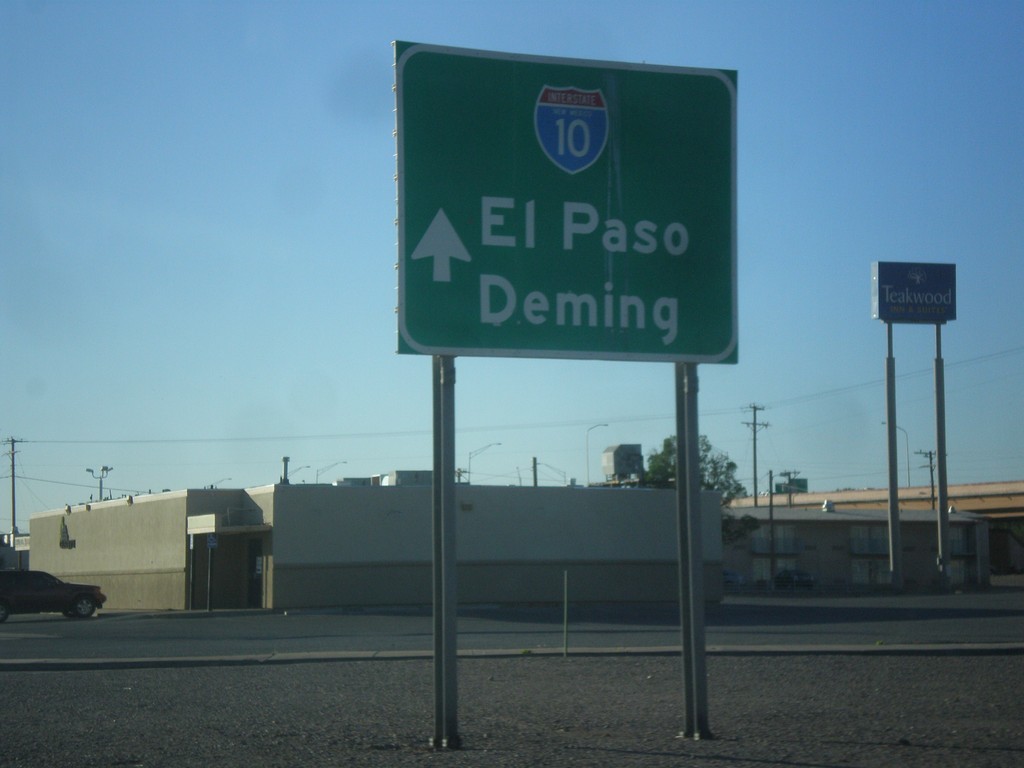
pixel 290 546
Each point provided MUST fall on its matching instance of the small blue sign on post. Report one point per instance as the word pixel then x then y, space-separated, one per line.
pixel 910 292
pixel 211 541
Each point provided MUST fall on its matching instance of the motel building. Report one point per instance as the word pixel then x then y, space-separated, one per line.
pixel 841 538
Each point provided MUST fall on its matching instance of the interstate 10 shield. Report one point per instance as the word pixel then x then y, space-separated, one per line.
pixel 572 126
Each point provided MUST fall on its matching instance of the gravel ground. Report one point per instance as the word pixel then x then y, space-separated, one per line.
pixel 764 710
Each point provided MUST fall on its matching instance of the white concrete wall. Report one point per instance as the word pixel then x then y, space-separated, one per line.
pixel 374 545
pixel 328 524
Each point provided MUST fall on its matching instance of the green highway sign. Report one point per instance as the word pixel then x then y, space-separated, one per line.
pixel 564 208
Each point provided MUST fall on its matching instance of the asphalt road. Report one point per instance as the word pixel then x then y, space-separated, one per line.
pixel 989 618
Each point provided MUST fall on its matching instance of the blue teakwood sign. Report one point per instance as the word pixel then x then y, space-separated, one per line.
pixel 909 292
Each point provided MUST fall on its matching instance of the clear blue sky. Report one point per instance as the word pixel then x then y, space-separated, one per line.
pixel 197 242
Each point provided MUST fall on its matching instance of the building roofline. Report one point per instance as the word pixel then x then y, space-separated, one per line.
pixel 1005 497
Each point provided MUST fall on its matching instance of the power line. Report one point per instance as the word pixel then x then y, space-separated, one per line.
pixel 809 397
pixel 361 435
pixel 90 486
pixel 796 400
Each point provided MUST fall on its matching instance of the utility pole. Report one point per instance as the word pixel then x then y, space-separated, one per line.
pixel 754 427
pixel 789 474
pixel 14 520
pixel 930 455
pixel 771 532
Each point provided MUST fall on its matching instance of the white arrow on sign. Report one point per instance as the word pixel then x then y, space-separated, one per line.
pixel 441 243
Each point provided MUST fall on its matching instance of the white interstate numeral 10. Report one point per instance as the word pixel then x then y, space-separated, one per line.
pixel 575 137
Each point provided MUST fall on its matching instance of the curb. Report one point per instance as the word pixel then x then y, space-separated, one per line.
pixel 171 662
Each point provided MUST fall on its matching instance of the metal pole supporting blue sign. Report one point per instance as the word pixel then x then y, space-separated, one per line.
pixel 915 293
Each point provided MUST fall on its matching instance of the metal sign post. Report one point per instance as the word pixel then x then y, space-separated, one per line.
pixel 211 547
pixel 446 721
pixel 942 508
pixel 895 539
pixel 191 570
pixel 691 560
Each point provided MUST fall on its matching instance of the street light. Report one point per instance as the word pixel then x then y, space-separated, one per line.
pixel 588 449
pixel 469 464
pixel 906 440
pixel 104 471
pixel 329 466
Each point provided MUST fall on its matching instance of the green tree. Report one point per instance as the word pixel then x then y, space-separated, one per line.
pixel 717 473
pixel 661 466
pixel 717 470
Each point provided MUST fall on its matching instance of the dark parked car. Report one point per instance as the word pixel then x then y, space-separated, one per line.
pixel 791 579
pixel 732 579
pixel 39 592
